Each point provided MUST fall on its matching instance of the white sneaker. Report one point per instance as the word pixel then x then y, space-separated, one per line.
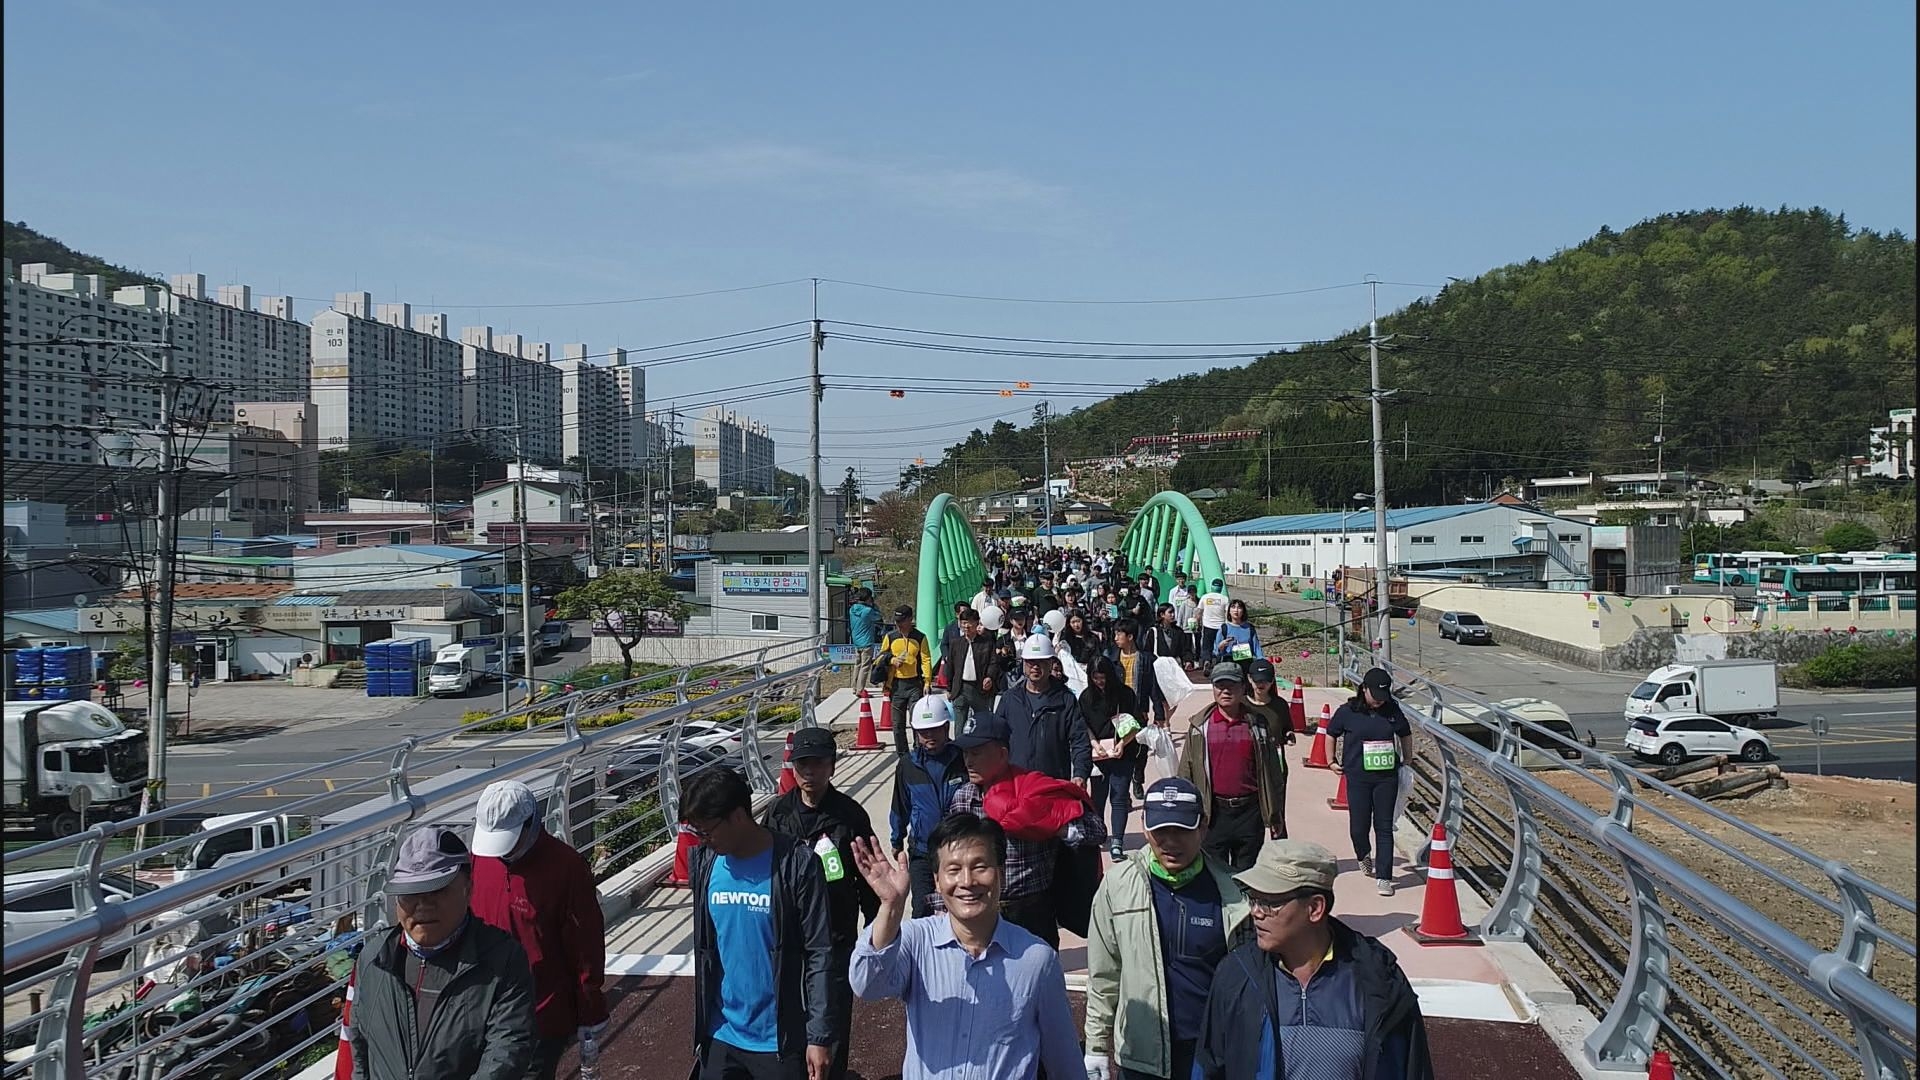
pixel 1383 887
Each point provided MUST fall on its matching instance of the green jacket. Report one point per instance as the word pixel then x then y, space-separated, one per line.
pixel 1124 964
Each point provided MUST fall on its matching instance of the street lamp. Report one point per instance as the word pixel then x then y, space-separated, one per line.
pixel 1358 497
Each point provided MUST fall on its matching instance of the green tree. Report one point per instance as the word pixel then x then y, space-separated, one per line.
pixel 621 600
pixel 1848 536
pixel 724 521
pixel 897 517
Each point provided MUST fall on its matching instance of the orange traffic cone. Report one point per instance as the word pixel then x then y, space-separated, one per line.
pixel 1326 714
pixel 1661 1067
pixel 788 781
pixel 682 873
pixel 1440 911
pixel 865 737
pixel 1317 758
pixel 1297 713
pixel 343 1060
pixel 886 714
pixel 1339 800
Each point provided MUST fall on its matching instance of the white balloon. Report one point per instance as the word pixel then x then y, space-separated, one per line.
pixel 991 619
pixel 1056 620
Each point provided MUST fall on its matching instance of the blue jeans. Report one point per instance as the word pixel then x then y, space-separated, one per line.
pixel 1112 784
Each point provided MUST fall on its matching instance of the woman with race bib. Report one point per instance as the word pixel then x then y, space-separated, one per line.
pixel 1372 741
pixel 1237 641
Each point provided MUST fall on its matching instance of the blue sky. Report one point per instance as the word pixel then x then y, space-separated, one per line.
pixel 487 154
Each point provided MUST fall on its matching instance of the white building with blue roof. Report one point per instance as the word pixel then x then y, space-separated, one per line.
pixel 1500 543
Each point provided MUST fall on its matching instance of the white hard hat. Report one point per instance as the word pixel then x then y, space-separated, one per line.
pixel 992 618
pixel 931 711
pixel 1056 620
pixel 1036 647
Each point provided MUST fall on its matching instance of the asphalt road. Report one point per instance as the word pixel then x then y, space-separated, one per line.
pixel 1871 733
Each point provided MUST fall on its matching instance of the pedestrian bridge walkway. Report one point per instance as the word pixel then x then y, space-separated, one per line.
pixel 1493 1008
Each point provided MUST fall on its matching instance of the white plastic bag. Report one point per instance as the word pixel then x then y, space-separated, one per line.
pixel 1159 744
pixel 1076 675
pixel 1173 681
pixel 1406 792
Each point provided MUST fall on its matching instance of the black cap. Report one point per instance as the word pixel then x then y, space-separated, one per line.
pixel 813 742
pixel 983 728
pixel 1378 681
pixel 1260 670
pixel 902 612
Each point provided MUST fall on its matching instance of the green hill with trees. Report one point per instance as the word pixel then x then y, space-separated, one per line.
pixel 24 245
pixel 1760 342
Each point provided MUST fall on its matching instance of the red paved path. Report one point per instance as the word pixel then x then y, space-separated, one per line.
pixel 650 1038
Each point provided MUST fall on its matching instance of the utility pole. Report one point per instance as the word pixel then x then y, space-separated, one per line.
pixel 526 560
pixel 160 644
pixel 1382 569
pixel 1043 412
pixel 1660 445
pixel 816 579
pixel 666 543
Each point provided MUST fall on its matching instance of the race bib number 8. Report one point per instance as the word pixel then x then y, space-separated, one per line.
pixel 830 864
pixel 1377 755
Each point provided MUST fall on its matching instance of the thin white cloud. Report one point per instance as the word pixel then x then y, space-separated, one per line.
pixel 814 172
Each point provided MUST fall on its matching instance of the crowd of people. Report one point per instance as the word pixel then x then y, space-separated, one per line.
pixel 1212 949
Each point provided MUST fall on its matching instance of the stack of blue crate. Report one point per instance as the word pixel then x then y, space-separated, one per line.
pixel 397 667
pixel 54 673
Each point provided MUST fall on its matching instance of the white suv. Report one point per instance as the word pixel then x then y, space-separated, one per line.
pixel 1674 737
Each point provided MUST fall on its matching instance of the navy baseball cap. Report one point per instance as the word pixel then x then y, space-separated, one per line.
pixel 983 728
pixel 1173 802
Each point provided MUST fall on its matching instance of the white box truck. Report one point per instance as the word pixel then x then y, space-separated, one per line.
pixel 57 750
pixel 1737 691
pixel 459 668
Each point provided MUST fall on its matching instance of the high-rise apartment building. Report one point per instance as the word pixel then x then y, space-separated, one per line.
pixel 58 396
pixel 732 453
pixel 377 379
pixel 501 374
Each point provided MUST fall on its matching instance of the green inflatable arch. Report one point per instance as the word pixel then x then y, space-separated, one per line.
pixel 951 568
pixel 1168 532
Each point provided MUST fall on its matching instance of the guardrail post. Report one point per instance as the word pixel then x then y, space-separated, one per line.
pixel 1513 912
pixel 1624 780
pixel 563 815
pixel 680 686
pixel 1623 1041
pixel 374 882
pixel 1452 799
pixel 62 1030
pixel 752 761
pixel 1880 1056
pixel 810 705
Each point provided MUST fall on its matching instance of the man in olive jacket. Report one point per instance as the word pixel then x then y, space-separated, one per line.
pixel 442 993
pixel 1163 920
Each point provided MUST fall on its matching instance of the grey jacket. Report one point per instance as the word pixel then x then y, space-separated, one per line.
pixel 482 1027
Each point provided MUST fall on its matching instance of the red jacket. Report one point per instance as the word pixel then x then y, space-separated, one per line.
pixel 547 901
pixel 1033 806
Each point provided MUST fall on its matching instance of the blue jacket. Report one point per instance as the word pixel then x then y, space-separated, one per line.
pixel 1231 635
pixel 923 787
pixel 862 621
pixel 1230 1047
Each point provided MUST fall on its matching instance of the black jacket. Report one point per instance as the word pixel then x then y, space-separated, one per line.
pixel 481 1027
pixel 803 949
pixel 986 662
pixel 1099 711
pixel 841 820
pixel 1049 734
pixel 1231 1047
pixel 1169 641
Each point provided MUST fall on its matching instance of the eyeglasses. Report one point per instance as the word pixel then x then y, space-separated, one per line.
pixel 695 831
pixel 1262 904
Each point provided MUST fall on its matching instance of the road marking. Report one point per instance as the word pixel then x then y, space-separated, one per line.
pixel 271 793
pixel 206 790
pixel 1890 712
pixel 329 784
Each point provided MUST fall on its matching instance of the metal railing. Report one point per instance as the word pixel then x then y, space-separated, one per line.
pixel 1683 927
pixel 235 970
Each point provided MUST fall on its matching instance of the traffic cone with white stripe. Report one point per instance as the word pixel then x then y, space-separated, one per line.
pixel 865 737
pixel 1320 756
pixel 788 781
pixel 1440 911
pixel 886 714
pixel 343 1060
pixel 1297 709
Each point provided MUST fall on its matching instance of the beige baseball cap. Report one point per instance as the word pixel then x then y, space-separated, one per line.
pixel 1285 865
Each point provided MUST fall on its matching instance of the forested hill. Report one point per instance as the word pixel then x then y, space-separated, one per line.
pixel 1770 336
pixel 24 245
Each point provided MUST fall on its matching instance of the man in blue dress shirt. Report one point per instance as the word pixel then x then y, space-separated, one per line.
pixel 986 1000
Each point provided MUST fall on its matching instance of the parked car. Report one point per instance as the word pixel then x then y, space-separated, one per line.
pixel 27 915
pixel 1537 751
pixel 702 743
pixel 1465 627
pixel 629 558
pixel 1672 738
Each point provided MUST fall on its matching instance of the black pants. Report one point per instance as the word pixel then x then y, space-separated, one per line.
pixel 966 701
pixel 1207 636
pixel 920 872
pixel 547 1054
pixel 903 695
pixel 1235 832
pixel 1111 786
pixel 840 997
pixel 724 1061
pixel 1370 820
pixel 1035 914
pixel 1182 1064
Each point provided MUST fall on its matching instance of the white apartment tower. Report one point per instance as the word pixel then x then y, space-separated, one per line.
pixel 376 378
pixel 732 453
pixel 495 373
pixel 57 396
